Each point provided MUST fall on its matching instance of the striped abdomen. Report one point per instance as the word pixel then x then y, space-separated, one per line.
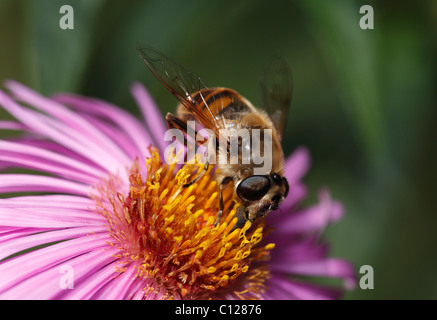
pixel 221 103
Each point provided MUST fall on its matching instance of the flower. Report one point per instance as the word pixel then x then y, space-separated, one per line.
pixel 108 219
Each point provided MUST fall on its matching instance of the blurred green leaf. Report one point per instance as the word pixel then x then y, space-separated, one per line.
pixel 58 57
pixel 352 56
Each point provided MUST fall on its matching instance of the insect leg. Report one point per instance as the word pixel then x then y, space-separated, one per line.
pixel 201 173
pixel 175 122
pixel 224 182
pixel 242 218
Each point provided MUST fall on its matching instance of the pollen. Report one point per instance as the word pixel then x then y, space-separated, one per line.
pixel 168 234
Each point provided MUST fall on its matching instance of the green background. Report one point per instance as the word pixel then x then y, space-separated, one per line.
pixel 364 100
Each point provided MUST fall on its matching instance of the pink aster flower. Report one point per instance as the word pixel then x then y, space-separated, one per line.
pixel 109 220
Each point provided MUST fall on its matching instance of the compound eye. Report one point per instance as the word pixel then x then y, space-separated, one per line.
pixel 253 188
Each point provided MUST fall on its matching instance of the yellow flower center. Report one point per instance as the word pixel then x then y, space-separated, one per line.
pixel 168 232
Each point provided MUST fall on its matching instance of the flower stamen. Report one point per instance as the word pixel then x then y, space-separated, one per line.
pixel 168 233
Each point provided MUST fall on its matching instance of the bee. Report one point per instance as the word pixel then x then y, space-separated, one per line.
pixel 219 109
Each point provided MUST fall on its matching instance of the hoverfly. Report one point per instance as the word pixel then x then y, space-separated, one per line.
pixel 225 109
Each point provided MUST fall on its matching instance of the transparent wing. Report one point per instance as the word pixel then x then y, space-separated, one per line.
pixel 276 90
pixel 182 83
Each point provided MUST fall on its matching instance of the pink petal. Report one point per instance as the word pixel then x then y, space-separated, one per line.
pixel 35 183
pixel 151 114
pixel 40 154
pixel 115 134
pixel 47 284
pixel 48 212
pixel 33 140
pixel 119 287
pixel 68 118
pixel 330 267
pixel 123 120
pixel 138 290
pixel 48 201
pixel 89 286
pixel 297 165
pixel 11 125
pixel 31 241
pixel 15 270
pixel 314 218
pixel 296 251
pixel 47 167
pixel 297 193
pixel 47 218
pixel 58 132
pixel 9 233
pixel 280 287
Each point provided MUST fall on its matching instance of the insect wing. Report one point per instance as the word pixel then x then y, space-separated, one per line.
pixel 276 90
pixel 179 81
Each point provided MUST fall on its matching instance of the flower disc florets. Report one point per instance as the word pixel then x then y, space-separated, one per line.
pixel 169 232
